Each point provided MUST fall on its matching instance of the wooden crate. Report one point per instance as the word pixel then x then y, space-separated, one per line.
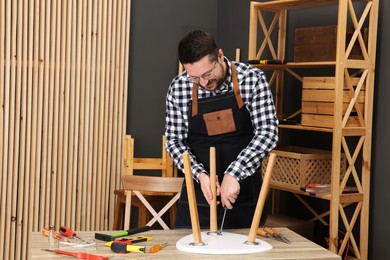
pixel 296 167
pixel 319 44
pixel 318 95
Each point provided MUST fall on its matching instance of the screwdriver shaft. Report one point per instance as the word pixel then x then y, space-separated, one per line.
pixel 223 220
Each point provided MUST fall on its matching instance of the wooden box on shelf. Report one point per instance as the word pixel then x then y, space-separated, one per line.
pixel 296 167
pixel 318 98
pixel 319 44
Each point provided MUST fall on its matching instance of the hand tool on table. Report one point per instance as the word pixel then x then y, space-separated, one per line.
pixel 45 231
pixel 223 219
pixel 157 248
pixel 130 241
pixel 123 233
pixel 118 247
pixel 78 255
pixel 276 234
pixel 65 231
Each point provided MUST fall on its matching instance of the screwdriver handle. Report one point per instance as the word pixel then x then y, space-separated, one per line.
pixel 269 231
pixel 64 230
pixel 262 233
pixel 277 232
pixel 45 231
pixel 157 248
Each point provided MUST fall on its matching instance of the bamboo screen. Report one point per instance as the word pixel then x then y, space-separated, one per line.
pixel 63 92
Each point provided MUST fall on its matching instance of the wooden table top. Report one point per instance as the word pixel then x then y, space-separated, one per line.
pixel 300 247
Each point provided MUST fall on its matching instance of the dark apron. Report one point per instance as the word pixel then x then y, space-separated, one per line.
pixel 228 146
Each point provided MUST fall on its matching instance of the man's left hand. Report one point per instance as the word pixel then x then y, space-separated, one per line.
pixel 230 189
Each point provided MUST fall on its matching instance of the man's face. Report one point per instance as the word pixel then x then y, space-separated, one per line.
pixel 209 75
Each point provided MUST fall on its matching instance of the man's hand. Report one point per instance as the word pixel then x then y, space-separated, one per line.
pixel 230 188
pixel 204 180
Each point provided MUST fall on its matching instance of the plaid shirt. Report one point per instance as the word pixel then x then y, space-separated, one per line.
pixel 259 102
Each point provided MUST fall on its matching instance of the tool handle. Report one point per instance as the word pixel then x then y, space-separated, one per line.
pixel 262 233
pixel 277 232
pixel 157 248
pixel 45 231
pixel 64 230
pixel 270 231
pixel 123 248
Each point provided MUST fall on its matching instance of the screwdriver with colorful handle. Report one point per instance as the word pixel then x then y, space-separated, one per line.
pixel 262 233
pixel 65 231
pixel 78 255
pixel 157 248
pixel 45 231
pixel 276 234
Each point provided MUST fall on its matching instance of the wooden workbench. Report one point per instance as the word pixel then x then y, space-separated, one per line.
pixel 300 248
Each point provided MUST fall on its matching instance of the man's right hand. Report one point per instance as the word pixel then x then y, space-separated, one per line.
pixel 204 180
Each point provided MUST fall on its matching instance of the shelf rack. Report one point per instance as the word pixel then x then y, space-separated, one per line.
pixel 344 69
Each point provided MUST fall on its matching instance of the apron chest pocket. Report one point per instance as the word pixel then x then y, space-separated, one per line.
pixel 219 122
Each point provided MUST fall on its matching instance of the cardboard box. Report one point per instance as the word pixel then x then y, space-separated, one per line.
pixel 319 44
pixel 303 228
pixel 318 96
pixel 295 167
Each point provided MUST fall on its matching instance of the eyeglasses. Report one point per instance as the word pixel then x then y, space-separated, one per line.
pixel 206 76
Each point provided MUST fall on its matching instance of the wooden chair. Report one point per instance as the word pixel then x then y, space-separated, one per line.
pixel 131 164
pixel 136 185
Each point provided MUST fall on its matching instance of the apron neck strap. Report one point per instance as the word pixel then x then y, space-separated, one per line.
pixel 236 90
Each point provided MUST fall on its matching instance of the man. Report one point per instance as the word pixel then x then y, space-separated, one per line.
pixel 227 105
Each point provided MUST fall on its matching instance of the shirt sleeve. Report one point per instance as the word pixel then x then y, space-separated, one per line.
pixel 176 128
pixel 259 102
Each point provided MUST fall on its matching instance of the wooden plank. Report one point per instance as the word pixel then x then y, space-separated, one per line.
pixel 87 153
pixel 100 83
pixel 326 121
pixel 2 90
pixel 45 171
pixel 23 230
pixel 75 184
pixel 41 54
pixel 12 148
pixel 18 175
pixel 4 226
pixel 326 82
pixel 82 178
pixel 56 180
pixel 69 116
pixel 62 185
pixel 114 96
pixel 95 102
pixel 328 95
pixel 108 108
pixel 104 115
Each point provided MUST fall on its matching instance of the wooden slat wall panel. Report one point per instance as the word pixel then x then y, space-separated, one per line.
pixel 63 94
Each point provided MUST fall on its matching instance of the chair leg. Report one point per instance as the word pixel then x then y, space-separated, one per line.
pixel 172 213
pixel 143 216
pixel 118 214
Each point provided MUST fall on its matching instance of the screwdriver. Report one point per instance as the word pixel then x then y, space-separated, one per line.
pixel 65 231
pixel 223 219
pixel 78 255
pixel 45 231
pixel 277 232
pixel 157 248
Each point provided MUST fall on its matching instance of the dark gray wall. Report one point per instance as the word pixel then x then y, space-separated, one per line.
pixel 156 27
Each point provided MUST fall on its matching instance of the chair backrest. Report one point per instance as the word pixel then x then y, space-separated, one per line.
pixel 137 184
pixel 164 163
